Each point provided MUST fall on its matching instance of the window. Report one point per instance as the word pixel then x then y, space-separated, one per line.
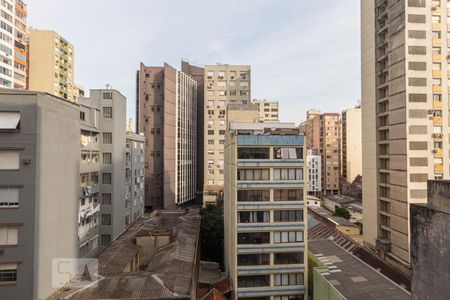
pixel 221 75
pixel 222 93
pixel 107 137
pixel 106 178
pixel 288 236
pixel 8 272
pixel 288 195
pixel 288 174
pixel 211 102
pixel 106 199
pixel 9 197
pixel 437 97
pixel 82 115
pixel 232 93
pixel 107 158
pixel 8 235
pixel 288 258
pixel 253 153
pixel 243 75
pixel 288 215
pixel 210 74
pixel 9 120
pixel 107 112
pixel 254 238
pixel 253 216
pixel 244 93
pixel 288 153
pixel 253 174
pixel 210 142
pixel 253 259
pixel 210 132
pixel 288 279
pixel 107 95
pixel 253 195
pixel 253 281
pixel 106 219
pixel 9 160
pixel 106 238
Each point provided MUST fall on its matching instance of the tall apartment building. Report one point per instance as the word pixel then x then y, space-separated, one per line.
pixel 405 111
pixel 314 163
pixel 351 144
pixel 13 50
pixel 135 182
pixel 268 110
pixel 39 167
pixel 166 112
pixel 265 212
pixel 323 133
pixel 51 64
pixel 224 84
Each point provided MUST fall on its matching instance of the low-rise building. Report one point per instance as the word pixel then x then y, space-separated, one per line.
pixel 339 223
pixel 430 244
pixel 39 188
pixel 265 212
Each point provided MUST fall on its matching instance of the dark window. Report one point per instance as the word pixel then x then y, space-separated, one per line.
pixel 106 178
pixel 253 174
pixel 106 238
pixel 253 195
pixel 253 216
pixel 82 116
pixel 8 275
pixel 106 219
pixel 253 259
pixel 107 158
pixel 288 195
pixel 288 153
pixel 107 95
pixel 106 199
pixel 107 112
pixel 254 238
pixel 253 153
pixel 288 215
pixel 253 281
pixel 288 258
pixel 107 137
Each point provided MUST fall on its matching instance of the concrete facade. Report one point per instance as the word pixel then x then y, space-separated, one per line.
pixel 268 110
pixel 430 244
pixel 39 167
pixel 351 144
pixel 51 64
pixel 265 212
pixel 134 174
pixel 405 129
pixel 167 115
pixel 13 45
pixel 224 84
pixel 314 163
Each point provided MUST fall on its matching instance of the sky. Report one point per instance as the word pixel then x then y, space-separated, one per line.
pixel 304 54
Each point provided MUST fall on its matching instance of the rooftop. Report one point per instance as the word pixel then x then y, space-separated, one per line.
pixel 341 199
pixel 353 278
pixel 338 221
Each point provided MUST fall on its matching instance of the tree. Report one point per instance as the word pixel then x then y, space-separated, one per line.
pixel 212 233
pixel 342 212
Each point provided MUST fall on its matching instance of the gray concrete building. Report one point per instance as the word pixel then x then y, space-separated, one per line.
pixel 166 111
pixel 265 212
pixel 39 188
pixel 135 169
pixel 430 244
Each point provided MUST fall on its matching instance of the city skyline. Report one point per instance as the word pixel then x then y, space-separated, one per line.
pixel 306 43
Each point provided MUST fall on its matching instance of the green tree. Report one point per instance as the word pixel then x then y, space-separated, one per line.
pixel 342 212
pixel 212 232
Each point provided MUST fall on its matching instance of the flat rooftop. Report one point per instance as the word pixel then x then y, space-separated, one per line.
pixel 338 221
pixel 341 199
pixel 354 279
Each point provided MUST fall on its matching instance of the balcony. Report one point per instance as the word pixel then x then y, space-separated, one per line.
pixel 437 73
pixel 438 168
pixel 437 42
pixel 437 136
pixel 437 88
pixel 437 57
pixel 437 26
pixel 437 120
pixel 438 152
pixel 437 104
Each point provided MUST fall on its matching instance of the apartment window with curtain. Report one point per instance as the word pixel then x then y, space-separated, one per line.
pixel 281 237
pixel 253 259
pixel 287 153
pixel 253 216
pixel 253 174
pixel 253 281
pixel 8 235
pixel 9 197
pixel 288 215
pixel 288 258
pixel 289 279
pixel 288 194
pixel 288 174
pixel 253 195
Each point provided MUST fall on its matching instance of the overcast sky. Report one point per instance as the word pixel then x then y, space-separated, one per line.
pixel 303 53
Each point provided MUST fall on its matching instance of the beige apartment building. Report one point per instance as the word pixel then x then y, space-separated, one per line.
pixel 223 84
pixel 51 64
pixel 323 134
pixel 405 97
pixel 268 110
pixel 351 144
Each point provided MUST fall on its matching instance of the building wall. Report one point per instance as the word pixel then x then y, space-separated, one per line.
pixel 20 45
pixel 351 144
pixel 46 124
pixel 135 170
pixel 236 88
pixel 51 54
pixel 314 162
pixel 330 150
pixel 268 110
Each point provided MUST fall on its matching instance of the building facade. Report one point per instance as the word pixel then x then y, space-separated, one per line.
pixel 351 144
pixel 135 182
pixel 268 110
pixel 51 64
pixel 265 212
pixel 38 190
pixel 314 163
pixel 223 85
pixel 13 50
pixel 404 108
pixel 167 115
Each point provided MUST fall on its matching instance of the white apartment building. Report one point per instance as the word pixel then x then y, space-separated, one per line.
pixel 268 110
pixel 265 212
pixel 223 85
pixel 314 162
pixel 134 174
pixel 405 132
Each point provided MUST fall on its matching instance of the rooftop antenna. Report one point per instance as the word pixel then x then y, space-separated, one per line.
pixel 108 86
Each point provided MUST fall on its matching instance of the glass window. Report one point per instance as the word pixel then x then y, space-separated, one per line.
pixel 253 174
pixel 253 259
pixel 253 281
pixel 254 238
pixel 288 279
pixel 107 112
pixel 107 137
pixel 288 236
pixel 9 159
pixel 106 219
pixel 253 216
pixel 288 215
pixel 288 194
pixel 253 195
pixel 288 153
pixel 106 178
pixel 8 272
pixel 9 197
pixel 253 153
pixel 288 258
pixel 288 174
pixel 8 235
pixel 107 158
